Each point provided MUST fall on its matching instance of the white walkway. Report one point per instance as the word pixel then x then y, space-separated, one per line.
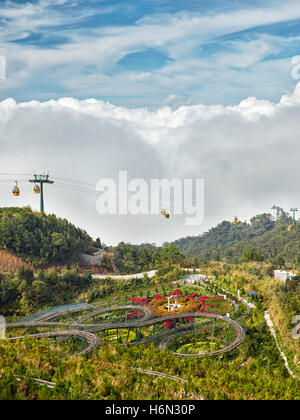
pixel 150 274
pixel 273 332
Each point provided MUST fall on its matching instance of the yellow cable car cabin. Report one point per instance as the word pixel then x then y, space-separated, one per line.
pixel 165 214
pixel 235 220
pixel 36 189
pixel 16 190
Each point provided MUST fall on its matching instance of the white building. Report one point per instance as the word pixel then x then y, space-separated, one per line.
pixel 283 275
pixel 193 279
pixel 2 327
pixel 276 212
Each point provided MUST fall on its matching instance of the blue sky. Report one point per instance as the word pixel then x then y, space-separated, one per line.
pixel 149 52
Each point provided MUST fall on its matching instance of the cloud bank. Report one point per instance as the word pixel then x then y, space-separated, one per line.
pixel 247 154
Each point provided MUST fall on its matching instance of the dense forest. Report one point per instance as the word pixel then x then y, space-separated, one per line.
pixel 47 272
pixel 41 239
pixel 136 258
pixel 26 291
pixel 46 240
pixel 259 240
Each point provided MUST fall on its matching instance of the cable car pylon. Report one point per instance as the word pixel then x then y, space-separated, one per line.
pixel 41 180
pixel 294 210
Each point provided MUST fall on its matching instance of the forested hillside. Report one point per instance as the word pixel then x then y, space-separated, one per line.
pixel 41 239
pixel 136 258
pixel 31 242
pixel 259 240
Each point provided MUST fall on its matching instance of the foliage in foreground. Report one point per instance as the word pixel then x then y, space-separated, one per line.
pixel 253 371
pixel 282 300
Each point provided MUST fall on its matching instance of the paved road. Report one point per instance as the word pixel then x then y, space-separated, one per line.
pixel 150 274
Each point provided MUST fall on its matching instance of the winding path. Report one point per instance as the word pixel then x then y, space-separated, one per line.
pixel 92 328
pixel 92 340
pixel 87 331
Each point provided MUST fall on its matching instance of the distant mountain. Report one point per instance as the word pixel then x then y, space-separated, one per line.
pixel 261 239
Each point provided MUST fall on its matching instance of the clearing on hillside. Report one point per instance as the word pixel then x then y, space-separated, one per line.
pixel 9 261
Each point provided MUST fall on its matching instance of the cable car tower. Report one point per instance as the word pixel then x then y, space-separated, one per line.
pixel 293 210
pixel 41 180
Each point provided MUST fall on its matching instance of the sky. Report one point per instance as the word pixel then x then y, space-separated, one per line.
pixel 163 89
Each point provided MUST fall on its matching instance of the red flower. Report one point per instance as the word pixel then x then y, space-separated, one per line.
pixel 189 319
pixel 135 314
pixel 191 296
pixel 168 325
pixel 139 301
pixel 177 292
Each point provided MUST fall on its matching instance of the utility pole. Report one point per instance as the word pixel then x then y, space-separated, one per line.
pixel 41 180
pixel 294 211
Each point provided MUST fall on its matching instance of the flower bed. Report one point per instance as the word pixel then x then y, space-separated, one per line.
pixel 188 304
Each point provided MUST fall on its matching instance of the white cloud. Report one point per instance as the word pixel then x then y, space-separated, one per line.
pixel 171 98
pixel 247 155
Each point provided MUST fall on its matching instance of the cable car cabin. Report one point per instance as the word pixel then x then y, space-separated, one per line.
pixel 165 214
pixel 16 190
pixel 36 189
pixel 235 220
